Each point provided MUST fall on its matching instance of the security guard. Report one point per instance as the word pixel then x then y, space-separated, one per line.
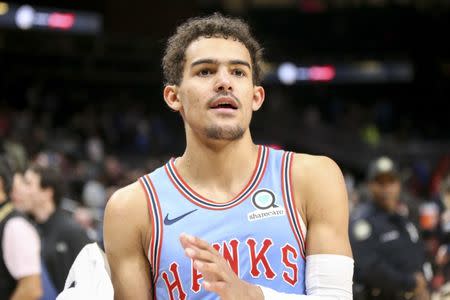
pixel 388 252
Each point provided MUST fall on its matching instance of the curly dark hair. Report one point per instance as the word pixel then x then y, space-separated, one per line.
pixel 215 25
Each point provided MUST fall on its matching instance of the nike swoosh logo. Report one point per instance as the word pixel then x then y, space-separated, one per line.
pixel 168 221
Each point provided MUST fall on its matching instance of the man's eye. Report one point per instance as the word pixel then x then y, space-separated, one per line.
pixel 204 72
pixel 238 72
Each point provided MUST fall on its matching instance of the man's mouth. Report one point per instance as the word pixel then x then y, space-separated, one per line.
pixel 224 103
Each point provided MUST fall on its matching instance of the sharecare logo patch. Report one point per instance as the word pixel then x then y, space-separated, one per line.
pixel 264 202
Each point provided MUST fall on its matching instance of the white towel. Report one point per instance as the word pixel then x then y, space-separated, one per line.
pixel 88 277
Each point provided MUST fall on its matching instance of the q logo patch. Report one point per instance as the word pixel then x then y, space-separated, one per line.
pixel 264 199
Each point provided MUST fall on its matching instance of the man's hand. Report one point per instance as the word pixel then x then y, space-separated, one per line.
pixel 218 277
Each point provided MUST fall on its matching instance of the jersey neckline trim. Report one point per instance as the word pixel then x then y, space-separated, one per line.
pixel 197 199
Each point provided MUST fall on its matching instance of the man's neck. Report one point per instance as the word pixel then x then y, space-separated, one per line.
pixel 220 169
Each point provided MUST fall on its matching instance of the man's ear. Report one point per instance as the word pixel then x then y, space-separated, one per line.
pixel 171 97
pixel 258 97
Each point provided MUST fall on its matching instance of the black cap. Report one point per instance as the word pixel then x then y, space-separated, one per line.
pixel 382 166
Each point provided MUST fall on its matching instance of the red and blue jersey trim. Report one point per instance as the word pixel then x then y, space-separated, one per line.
pixel 289 202
pixel 195 198
pixel 154 252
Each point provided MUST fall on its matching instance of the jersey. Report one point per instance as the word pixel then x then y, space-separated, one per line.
pixel 259 232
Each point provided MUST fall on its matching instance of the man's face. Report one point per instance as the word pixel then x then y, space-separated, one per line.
pixel 38 195
pixel 20 195
pixel 216 96
pixel 385 190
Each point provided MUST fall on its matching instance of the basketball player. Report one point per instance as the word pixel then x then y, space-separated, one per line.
pixel 228 219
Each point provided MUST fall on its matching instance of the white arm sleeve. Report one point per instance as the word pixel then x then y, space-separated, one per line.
pixel 328 277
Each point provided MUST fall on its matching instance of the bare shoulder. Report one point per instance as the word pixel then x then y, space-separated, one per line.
pixel 314 165
pixel 126 213
pixel 320 186
pixel 127 236
pixel 319 182
pixel 127 199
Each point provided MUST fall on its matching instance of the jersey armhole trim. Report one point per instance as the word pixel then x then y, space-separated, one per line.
pixel 296 222
pixel 154 251
pixel 298 214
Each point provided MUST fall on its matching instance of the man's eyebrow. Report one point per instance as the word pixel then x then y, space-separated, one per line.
pixel 215 61
pixel 204 61
pixel 239 62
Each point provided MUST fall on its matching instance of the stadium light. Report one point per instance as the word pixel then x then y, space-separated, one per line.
pixel 25 17
pixel 287 73
pixel 4 7
pixel 322 73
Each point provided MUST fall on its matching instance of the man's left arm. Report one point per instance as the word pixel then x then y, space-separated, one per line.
pixel 321 200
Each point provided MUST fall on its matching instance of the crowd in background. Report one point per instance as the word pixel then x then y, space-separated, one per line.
pixel 100 147
pixel 90 108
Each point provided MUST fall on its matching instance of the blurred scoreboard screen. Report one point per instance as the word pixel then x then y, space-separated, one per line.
pixel 27 17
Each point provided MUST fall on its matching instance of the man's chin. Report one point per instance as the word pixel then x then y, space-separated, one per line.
pixel 225 133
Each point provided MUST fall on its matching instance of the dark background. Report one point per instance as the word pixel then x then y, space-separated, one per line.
pixel 56 75
pixel 92 105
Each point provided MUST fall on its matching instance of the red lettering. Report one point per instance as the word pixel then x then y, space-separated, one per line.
pixel 293 266
pixel 260 257
pixel 196 276
pixel 233 260
pixel 176 284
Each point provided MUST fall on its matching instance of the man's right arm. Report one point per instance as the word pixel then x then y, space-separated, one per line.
pixel 126 237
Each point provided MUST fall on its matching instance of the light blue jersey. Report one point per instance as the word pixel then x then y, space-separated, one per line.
pixel 259 232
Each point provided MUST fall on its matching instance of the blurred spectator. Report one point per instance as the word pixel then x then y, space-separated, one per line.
pixel 95 149
pixel 379 235
pixel 91 216
pixel 22 203
pixel 62 237
pixel 113 172
pixel 19 196
pixel 443 253
pixel 352 193
pixel 94 195
pixel 20 263
pixel 445 211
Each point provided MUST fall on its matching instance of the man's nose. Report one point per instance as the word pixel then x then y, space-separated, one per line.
pixel 223 82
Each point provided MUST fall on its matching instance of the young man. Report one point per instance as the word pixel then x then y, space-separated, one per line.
pixel 62 238
pixel 23 204
pixel 260 223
